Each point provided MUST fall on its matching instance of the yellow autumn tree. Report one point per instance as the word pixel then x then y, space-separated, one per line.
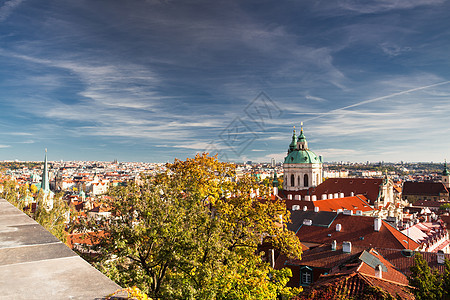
pixel 193 233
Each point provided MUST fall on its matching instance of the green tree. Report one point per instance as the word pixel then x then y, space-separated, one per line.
pixel 426 283
pixel 445 206
pixel 10 192
pixel 446 281
pixel 193 233
pixel 55 219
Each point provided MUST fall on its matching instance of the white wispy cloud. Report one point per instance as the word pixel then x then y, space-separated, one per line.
pixel 8 8
pixel 393 49
pixel 314 98
pixel 369 7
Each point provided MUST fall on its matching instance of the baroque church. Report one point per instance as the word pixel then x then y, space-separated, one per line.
pixel 302 167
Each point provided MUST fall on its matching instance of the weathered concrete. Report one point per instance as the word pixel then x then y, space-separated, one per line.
pixel 36 265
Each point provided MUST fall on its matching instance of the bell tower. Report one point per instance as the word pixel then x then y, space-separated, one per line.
pixel 446 176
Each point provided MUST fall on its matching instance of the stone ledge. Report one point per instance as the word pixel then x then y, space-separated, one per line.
pixel 36 265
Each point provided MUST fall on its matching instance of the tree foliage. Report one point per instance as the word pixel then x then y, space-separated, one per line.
pixel 445 206
pixel 427 283
pixel 193 233
pixel 53 220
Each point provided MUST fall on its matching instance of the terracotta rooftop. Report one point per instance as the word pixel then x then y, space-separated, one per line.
pixel 354 285
pixel 369 187
pixel 356 229
pixel 424 188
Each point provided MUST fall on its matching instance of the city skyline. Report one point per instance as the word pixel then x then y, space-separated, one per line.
pixel 153 81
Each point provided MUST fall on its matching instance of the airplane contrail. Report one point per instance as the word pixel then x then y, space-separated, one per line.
pixel 378 99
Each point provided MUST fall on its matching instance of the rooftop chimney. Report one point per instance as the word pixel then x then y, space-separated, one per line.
pixel 338 227
pixel 307 198
pixel 289 196
pixel 316 209
pixel 324 196
pixel 352 194
pixel 305 208
pixel 313 198
pixel 377 224
pixel 378 271
pixel 295 207
pixel 333 245
pixel 440 257
pixel 341 195
pixel 347 247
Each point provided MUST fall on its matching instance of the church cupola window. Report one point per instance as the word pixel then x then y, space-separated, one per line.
pixel 305 180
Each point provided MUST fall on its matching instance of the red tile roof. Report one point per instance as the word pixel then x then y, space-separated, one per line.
pixel 424 188
pixel 369 187
pixel 353 203
pixel 392 273
pixel 359 230
pixel 353 285
pixel 403 262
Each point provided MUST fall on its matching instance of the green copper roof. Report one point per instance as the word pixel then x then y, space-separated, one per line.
pixel 301 136
pixel 302 157
pixel 275 179
pixel 445 173
pixel 293 144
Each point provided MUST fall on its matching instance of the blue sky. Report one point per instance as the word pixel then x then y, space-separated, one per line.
pixel 144 80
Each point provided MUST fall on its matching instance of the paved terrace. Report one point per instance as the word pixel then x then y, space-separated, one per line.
pixel 36 265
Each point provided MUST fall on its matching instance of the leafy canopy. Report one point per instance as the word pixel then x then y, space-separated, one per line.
pixel 193 232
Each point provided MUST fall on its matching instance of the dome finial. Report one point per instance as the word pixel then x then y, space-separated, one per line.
pixel 301 126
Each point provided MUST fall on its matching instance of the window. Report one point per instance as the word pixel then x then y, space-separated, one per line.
pixel 292 180
pixel 305 180
pixel 298 180
pixel 306 276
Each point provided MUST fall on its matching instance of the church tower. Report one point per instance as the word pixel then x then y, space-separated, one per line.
pixel 446 176
pixel 302 167
pixel 45 186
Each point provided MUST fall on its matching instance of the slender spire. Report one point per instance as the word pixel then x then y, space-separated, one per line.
pixel 45 182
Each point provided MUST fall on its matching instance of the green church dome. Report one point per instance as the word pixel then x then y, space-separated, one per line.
pixel 302 157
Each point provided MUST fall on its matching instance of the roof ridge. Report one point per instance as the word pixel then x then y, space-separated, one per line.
pixel 387 280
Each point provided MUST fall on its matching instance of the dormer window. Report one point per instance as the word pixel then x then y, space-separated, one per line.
pixel 305 276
